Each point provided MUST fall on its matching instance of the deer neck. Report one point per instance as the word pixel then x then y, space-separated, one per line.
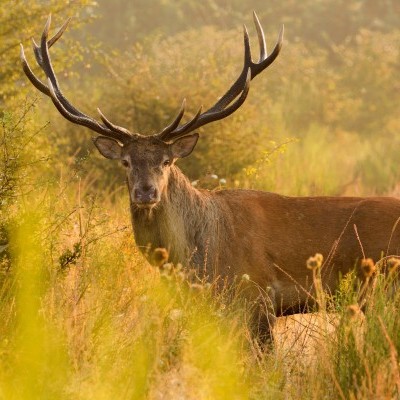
pixel 181 223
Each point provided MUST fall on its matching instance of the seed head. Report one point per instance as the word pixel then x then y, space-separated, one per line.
pixel 167 267
pixel 196 287
pixel 315 262
pixel 393 264
pixel 368 267
pixel 353 311
pixel 160 256
pixel 245 278
pixel 319 257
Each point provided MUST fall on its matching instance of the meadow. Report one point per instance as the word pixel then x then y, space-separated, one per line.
pixel 84 316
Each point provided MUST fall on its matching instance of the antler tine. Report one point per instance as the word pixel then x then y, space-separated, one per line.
pixel 261 38
pixel 59 33
pixel 176 121
pixel 50 42
pixel 53 90
pixel 188 126
pixel 237 87
pixel 110 125
pixel 257 68
pixel 247 48
pixel 208 117
pixel 239 90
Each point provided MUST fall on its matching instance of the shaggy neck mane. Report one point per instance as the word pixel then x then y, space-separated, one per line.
pixel 184 222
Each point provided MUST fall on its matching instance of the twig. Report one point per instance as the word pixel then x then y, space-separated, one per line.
pixel 391 234
pixel 359 240
pixel 124 228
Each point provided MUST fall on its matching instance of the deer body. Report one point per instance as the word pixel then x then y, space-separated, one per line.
pixel 192 215
pixel 228 233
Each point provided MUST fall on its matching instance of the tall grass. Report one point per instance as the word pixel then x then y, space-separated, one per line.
pixel 99 322
pixel 85 317
pixel 95 321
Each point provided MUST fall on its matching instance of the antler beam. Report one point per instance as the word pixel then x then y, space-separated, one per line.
pixel 54 92
pixel 227 104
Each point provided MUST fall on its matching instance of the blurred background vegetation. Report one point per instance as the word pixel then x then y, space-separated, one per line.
pixel 80 308
pixel 334 87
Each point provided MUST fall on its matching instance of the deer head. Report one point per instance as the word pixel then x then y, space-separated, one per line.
pixel 148 159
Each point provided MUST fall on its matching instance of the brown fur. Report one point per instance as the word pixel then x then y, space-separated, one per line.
pixel 226 234
pixel 229 233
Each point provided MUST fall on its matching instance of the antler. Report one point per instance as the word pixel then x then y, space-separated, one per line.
pixel 54 92
pixel 226 105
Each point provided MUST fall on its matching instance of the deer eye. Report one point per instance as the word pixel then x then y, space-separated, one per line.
pixel 125 163
pixel 166 163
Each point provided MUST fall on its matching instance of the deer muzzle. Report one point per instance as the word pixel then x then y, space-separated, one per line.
pixel 145 196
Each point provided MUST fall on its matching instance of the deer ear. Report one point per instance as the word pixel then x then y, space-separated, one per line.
pixel 109 148
pixel 184 146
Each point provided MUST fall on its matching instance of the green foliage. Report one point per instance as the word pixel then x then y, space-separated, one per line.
pixel 40 370
pixel 321 22
pixel 107 326
pixel 312 85
pixel 110 326
pixel 316 164
pixel 309 88
pixel 366 351
pixel 18 23
pixel 83 316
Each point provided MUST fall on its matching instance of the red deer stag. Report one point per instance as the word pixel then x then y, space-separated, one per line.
pixel 229 233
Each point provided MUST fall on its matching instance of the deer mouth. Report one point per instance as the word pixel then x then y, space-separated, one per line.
pixel 145 205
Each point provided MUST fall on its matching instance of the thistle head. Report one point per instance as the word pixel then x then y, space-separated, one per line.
pixel 160 256
pixel 315 262
pixel 393 264
pixel 353 311
pixel 368 267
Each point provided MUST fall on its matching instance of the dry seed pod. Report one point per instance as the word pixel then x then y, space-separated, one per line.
pixel 160 256
pixel 368 267
pixel 392 265
pixel 353 311
pixel 315 262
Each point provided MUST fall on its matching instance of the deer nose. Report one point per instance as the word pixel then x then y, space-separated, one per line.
pixel 145 194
